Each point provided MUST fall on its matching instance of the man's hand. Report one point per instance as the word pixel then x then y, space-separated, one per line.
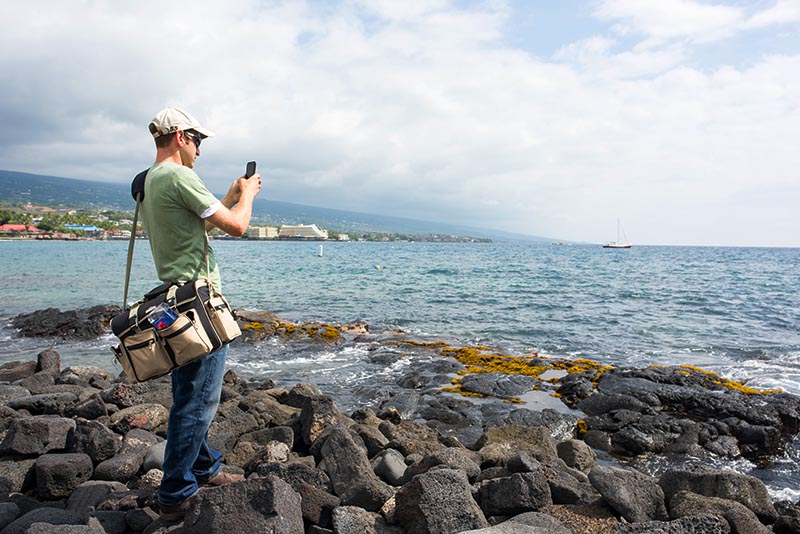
pixel 249 186
pixel 235 220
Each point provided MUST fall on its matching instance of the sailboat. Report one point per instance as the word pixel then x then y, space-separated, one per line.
pixel 618 243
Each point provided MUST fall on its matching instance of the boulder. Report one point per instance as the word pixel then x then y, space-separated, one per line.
pixel 82 323
pixel 317 505
pixel 284 434
pixel 347 519
pixel 8 513
pixel 390 466
pixel 350 471
pixel 515 494
pixel 438 502
pixel 577 454
pixel 450 457
pixel 129 460
pixel 88 495
pixel 96 440
pixel 257 505
pixel 49 361
pixel 300 394
pixel 58 474
pixel 38 383
pixel 144 416
pixel 601 403
pixel 38 435
pixel 318 414
pixel 409 437
pixel 296 474
pixel 17 474
pixel 372 437
pixel 498 443
pixel 10 392
pixel 51 516
pixel 738 516
pixel 13 371
pixel 637 497
pixel 723 484
pixel 527 523
pixel 501 385
pixel 567 486
pixel 262 402
pixel 230 422
pixel 92 408
pixel 111 521
pixel 788 521
pixel 154 458
pixel 697 524
pixel 46 403
pixel 123 395
pixel 86 375
pixel 140 518
pixel 47 528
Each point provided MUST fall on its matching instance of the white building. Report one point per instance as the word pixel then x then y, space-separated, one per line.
pixel 262 232
pixel 302 231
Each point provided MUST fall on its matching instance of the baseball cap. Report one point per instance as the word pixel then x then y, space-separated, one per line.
pixel 170 120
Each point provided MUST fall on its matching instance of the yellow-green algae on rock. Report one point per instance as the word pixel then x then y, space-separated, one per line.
pixel 714 378
pixel 257 330
pixel 480 359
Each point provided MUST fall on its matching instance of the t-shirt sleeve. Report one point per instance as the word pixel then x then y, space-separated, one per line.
pixel 196 196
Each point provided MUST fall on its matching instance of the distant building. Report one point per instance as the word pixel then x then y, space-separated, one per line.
pixel 85 228
pixel 19 230
pixel 262 232
pixel 302 231
pixel 344 237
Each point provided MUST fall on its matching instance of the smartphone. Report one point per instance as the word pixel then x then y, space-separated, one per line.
pixel 251 169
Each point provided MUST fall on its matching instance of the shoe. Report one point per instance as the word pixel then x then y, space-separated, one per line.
pixel 222 478
pixel 173 512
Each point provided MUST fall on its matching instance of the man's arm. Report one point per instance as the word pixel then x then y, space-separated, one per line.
pixel 233 217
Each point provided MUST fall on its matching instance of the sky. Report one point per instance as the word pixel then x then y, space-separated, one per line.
pixel 681 118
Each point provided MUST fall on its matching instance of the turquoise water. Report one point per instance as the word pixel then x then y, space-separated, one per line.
pixel 735 311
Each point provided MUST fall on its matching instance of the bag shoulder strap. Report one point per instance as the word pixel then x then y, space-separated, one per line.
pixel 137 191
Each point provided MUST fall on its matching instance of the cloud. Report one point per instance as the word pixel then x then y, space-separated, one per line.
pixel 419 109
pixel 672 19
pixel 783 12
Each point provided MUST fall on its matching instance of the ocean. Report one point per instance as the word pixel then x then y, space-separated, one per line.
pixel 734 311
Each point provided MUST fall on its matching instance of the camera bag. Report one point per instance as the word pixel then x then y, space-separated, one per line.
pixel 204 319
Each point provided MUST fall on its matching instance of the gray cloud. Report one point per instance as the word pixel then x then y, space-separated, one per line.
pixel 422 110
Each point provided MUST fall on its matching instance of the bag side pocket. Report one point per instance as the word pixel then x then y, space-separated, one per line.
pixel 143 357
pixel 187 338
pixel 221 316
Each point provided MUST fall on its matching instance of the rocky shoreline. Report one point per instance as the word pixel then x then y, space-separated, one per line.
pixel 80 449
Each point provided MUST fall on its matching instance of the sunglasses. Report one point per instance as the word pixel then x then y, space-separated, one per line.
pixel 196 139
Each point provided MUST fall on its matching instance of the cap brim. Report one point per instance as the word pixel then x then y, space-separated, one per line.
pixel 204 132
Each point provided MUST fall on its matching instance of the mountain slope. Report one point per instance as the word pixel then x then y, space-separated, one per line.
pixel 67 192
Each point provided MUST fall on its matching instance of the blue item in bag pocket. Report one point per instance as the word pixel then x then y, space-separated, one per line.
pixel 162 316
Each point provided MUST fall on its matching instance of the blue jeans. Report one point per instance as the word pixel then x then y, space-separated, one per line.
pixel 188 460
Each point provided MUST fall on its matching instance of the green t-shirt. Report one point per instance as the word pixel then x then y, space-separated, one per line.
pixel 174 200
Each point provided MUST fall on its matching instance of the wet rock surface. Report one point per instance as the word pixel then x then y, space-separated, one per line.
pixel 415 459
pixel 83 323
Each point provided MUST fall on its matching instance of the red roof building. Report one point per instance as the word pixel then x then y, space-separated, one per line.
pixel 18 229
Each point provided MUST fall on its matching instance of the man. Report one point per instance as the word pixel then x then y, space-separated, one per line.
pixel 177 211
